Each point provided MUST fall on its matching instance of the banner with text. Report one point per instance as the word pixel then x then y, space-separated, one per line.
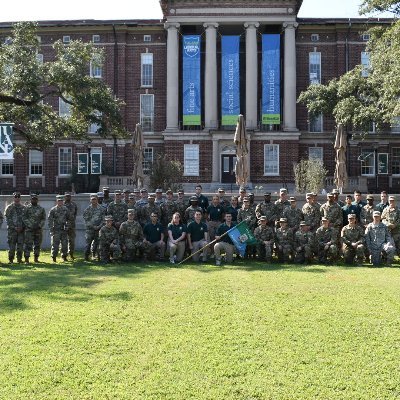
pixel 95 161
pixel 6 141
pixel 271 79
pixel 191 80
pixel 83 163
pixel 230 100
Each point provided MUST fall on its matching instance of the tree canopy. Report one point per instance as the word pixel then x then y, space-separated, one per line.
pixel 28 86
pixel 363 96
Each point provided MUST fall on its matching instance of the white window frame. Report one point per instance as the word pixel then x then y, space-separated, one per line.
pixel 315 122
pixel 271 166
pixel 39 58
pixel 147 115
pixel 366 37
pixel 365 63
pixel 395 125
pixel 65 163
pixel 96 150
pixel 314 67
pixel 313 153
pixel 146 38
pixel 96 68
pixel 191 160
pixel 395 161
pixel 93 128
pixel 6 162
pixel 64 109
pixel 66 39
pixel 95 38
pixel 148 153
pixel 315 37
pixel 147 74
pixel 368 164
pixel 35 161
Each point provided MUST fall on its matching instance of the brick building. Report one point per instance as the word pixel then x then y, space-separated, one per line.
pixel 144 67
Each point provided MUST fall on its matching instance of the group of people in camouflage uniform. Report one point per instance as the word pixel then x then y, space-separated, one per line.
pixel 139 225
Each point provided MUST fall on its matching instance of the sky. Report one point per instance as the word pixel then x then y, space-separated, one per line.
pixel 39 10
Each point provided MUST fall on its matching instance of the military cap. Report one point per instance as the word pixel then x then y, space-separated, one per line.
pixel 169 191
pixel 251 195
pixel 181 191
pixel 314 194
pixel 151 196
pixel 100 194
pixel 136 190
pixel 376 214
pixel 194 198
pixel 126 191
pixel 158 190
pixel 131 211
pixel 17 194
pixel 221 190
pixel 131 196
pixel 370 197
pixel 282 190
pixel 335 191
pixel 303 223
pixel 242 189
pixel 263 218
pixel 108 218
pixel 117 191
pixel 309 195
pixel 246 199
pixel 106 188
pixel 143 190
pixel 329 194
pixel 34 196
pixel 292 199
pixel 324 219
pixel 60 197
pixel 267 193
pixel 93 196
pixel 392 198
pixel 283 220
pixel 350 216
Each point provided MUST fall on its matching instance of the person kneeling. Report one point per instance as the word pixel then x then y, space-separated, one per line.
pixel 154 238
pixel 353 241
pixel 197 234
pixel 225 244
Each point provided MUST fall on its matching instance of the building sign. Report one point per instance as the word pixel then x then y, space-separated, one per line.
pixel 83 163
pixel 230 93
pixel 271 80
pixel 191 80
pixel 95 161
pixel 6 141
pixel 383 163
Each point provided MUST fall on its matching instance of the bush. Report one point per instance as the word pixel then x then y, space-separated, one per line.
pixel 165 174
pixel 309 175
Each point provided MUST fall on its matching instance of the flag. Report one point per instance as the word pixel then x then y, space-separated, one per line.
pixel 241 236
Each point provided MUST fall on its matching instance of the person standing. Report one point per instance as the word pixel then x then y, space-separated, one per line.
pixel 267 209
pixel 58 220
pixel 71 232
pixel 118 209
pixel 391 218
pixel 311 213
pixel 202 201
pixel 332 212
pixel 33 217
pixel 214 216
pixel 15 228
pixel 366 212
pixel 384 202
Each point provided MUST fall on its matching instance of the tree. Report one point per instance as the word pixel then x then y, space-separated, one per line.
pixel 166 174
pixel 309 175
pixel 28 85
pixel 356 100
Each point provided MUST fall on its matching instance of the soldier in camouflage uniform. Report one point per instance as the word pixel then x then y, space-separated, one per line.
pixel 71 233
pixel 248 213
pixel 159 200
pixel 281 204
pixel 33 217
pixel 118 210
pixel 94 220
pixel 58 220
pixel 391 218
pixel 191 210
pixel 326 239
pixel 284 241
pixel 332 212
pixel 126 193
pixel 378 240
pixel 131 201
pixel 223 201
pixel 293 215
pixel 266 208
pixel 143 199
pixel 366 212
pixel 15 228
pixel 106 196
pixel 148 209
pixel 303 244
pixel 311 213
pixel 353 241
pixel 109 241
pixel 168 208
pixel 180 206
pixel 265 236
pixel 131 238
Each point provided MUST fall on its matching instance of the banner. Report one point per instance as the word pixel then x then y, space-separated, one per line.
pixel 6 141
pixel 191 80
pixel 83 163
pixel 95 161
pixel 241 236
pixel 230 82
pixel 271 80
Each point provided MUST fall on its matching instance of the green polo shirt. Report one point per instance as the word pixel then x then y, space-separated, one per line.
pixel 177 230
pixel 215 212
pixel 152 232
pixel 196 230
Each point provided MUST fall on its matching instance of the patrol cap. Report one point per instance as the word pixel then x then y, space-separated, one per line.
pixel 335 191
pixel 34 196
pixel 324 219
pixel 17 194
pixel 100 194
pixel 376 214
pixel 126 191
pixel 221 190
pixel 251 194
pixel 158 190
pixel 329 194
pixel 283 220
pixel 194 198
pixel 67 194
pixel 143 190
pixel 106 188
pixel 151 196
pixel 131 211
pixel 263 218
pixel 60 197
pixel 246 199
pixel 314 194
pixel 242 189
pixel 181 191
pixel 351 216
pixel 370 197
pixel 282 190
pixel 267 193
pixel 108 218
pixel 169 191
pixel 117 191
pixel 303 223
pixel 292 199
pixel 131 196
pixel 136 190
pixel 93 196
pixel 309 195
pixel 392 198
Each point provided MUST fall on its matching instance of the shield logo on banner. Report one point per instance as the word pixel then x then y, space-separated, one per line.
pixel 6 142
pixel 192 46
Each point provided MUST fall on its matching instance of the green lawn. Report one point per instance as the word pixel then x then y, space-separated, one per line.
pixel 246 331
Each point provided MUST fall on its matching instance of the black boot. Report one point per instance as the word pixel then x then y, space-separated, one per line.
pixel 36 259
pixel 19 258
pixel 71 254
pixel 26 260
pixel 54 259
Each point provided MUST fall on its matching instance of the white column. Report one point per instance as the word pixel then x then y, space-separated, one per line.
pixel 210 77
pixel 215 160
pixel 251 74
pixel 289 96
pixel 172 76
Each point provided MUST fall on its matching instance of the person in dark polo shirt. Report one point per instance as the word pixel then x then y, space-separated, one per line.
pixel 154 236
pixel 176 239
pixel 197 234
pixel 215 216
pixel 225 245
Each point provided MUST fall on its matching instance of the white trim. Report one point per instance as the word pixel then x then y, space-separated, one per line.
pixel 142 64
pixel 36 163
pixel 59 161
pixel 144 127
pixel 189 163
pixel 275 163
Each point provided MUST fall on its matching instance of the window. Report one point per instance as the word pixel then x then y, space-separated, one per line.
pixel 147 69
pixel 372 127
pixel 271 159
pixel 35 162
pixel 395 125
pixel 7 167
pixel 191 160
pixel 315 153
pixel 396 160
pixel 365 63
pixel 93 128
pixel 147 38
pixel 39 58
pixel 147 112
pixel 366 37
pixel 96 38
pixel 315 37
pixel 64 161
pixel 96 68
pixel 315 124
pixel 66 39
pixel 368 162
pixel 315 67
pixel 148 159
pixel 96 160
pixel 64 109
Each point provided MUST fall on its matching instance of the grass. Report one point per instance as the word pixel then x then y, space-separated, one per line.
pixel 246 331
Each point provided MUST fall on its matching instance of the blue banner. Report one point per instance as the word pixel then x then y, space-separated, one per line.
pixel 241 236
pixel 271 79
pixel 230 93
pixel 191 80
pixel 6 141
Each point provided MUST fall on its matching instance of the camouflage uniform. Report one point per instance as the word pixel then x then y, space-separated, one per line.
pixel 267 209
pixel 334 213
pixel 279 207
pixel 190 211
pixel 34 217
pixel 249 215
pixel 378 240
pixel 109 243
pixel 312 216
pixel 181 206
pixel 131 240
pixel 264 234
pixel 284 240
pixel 58 220
pixel 119 212
pixel 327 236
pixel 391 218
pixel 94 220
pixel 168 208
pixel 15 230
pixel 366 215
pixel 353 234
pixel 294 216
pixel 303 246
pixel 146 211
pixel 71 232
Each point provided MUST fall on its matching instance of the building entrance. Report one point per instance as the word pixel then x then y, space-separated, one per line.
pixel 228 162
